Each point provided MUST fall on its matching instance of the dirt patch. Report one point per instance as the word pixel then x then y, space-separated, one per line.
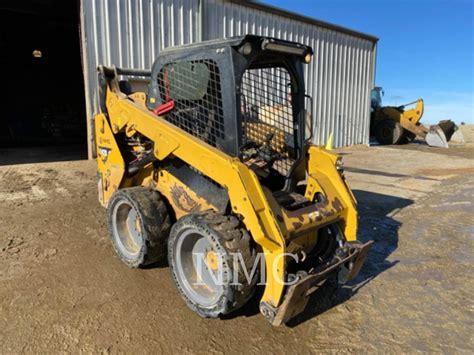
pixel 63 290
pixel 445 172
pixel 458 151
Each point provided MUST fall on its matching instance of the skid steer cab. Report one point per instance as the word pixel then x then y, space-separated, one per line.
pixel 205 162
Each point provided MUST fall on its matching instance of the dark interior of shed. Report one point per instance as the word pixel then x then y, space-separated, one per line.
pixel 42 90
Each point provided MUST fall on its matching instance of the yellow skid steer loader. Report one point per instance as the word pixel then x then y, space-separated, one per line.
pixel 210 170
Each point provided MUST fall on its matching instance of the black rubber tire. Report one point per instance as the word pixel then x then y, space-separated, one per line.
pixel 226 236
pixel 407 138
pixel 388 131
pixel 154 220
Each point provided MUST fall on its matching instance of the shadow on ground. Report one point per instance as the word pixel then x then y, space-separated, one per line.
pixel 386 174
pixel 42 154
pixel 376 223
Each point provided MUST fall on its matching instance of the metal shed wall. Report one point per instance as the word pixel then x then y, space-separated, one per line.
pixel 131 33
pixel 339 78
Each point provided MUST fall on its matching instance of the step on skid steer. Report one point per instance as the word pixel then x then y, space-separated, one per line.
pixel 399 125
pixel 210 169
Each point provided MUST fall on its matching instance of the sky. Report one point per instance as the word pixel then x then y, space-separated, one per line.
pixel 425 48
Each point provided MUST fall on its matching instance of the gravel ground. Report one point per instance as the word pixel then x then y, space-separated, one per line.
pixel 62 288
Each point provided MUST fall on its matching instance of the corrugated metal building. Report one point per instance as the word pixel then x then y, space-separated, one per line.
pixel 131 34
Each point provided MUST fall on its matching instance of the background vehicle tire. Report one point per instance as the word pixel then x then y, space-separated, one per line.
pixel 388 132
pixel 407 138
pixel 215 238
pixel 139 226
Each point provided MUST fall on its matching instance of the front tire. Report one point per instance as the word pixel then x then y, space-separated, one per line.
pixel 139 226
pixel 201 254
pixel 407 138
pixel 388 132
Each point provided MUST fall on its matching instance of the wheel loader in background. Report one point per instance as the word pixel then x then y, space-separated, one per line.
pixel 397 125
pixel 211 170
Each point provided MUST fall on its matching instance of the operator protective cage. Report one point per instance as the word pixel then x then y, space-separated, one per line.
pixel 232 92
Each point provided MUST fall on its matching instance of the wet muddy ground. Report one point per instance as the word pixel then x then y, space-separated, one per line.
pixel 62 288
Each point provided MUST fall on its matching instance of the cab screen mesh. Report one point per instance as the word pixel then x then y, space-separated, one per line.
pixel 195 88
pixel 267 113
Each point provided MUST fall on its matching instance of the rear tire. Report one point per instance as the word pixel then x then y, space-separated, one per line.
pixel 388 132
pixel 139 226
pixel 215 239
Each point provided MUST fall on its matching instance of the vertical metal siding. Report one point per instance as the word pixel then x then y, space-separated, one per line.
pixel 131 33
pixel 339 78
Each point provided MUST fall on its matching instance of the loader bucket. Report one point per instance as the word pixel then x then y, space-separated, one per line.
pixel 439 135
pixel 458 137
pixel 436 137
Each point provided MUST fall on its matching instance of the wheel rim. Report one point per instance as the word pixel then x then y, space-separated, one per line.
pixel 194 260
pixel 127 229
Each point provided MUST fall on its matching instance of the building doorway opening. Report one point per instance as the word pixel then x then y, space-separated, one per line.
pixel 43 116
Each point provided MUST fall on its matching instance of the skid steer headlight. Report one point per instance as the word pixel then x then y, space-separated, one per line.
pixel 339 166
pixel 270 45
pixel 307 58
pixel 246 48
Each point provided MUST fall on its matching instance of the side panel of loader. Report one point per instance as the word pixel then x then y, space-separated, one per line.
pixel 111 167
pixel 408 120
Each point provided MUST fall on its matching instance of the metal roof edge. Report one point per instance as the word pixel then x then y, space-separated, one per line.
pixel 295 16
